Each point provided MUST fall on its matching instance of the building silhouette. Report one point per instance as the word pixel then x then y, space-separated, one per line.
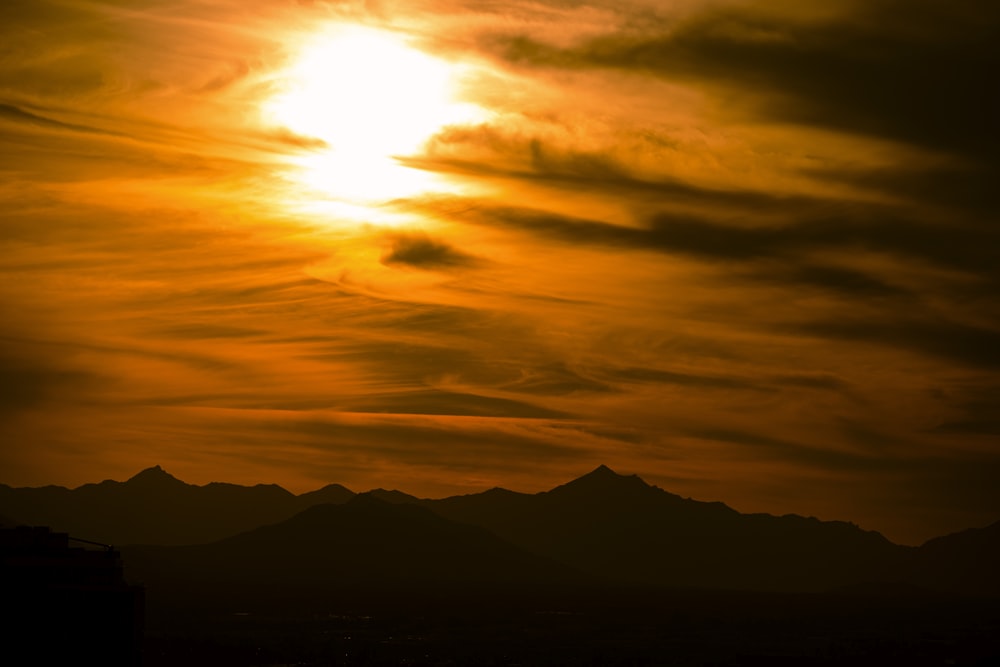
pixel 65 599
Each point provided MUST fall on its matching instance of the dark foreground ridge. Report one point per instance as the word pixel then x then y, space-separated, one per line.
pixel 605 569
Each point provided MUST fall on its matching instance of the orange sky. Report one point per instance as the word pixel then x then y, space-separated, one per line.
pixel 745 249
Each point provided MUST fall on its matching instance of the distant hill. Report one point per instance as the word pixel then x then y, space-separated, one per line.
pixel 964 562
pixel 365 544
pixel 154 507
pixel 392 497
pixel 331 493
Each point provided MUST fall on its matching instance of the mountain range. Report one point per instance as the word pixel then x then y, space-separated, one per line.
pixel 154 507
pixel 600 529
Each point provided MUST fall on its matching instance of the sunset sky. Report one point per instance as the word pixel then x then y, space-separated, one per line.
pixel 747 249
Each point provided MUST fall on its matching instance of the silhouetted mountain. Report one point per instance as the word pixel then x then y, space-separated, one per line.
pixel 331 493
pixel 155 478
pixel 154 507
pixel 964 562
pixel 623 529
pixel 365 544
pixel 392 497
pixel 614 527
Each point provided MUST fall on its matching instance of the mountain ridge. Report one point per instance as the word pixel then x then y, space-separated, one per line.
pixel 604 524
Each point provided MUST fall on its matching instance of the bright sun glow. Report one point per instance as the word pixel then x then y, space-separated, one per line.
pixel 370 97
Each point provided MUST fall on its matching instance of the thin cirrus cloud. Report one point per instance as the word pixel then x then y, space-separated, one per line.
pixel 745 249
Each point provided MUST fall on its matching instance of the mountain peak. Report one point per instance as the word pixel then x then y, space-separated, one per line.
pixel 154 475
pixel 604 474
pixel 390 496
pixel 331 493
pixel 603 479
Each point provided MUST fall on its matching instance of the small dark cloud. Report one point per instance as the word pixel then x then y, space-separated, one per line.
pixel 28 381
pixel 976 409
pixel 627 434
pixel 769 447
pixel 843 227
pixel 555 379
pixel 235 72
pixel 554 225
pixel 428 442
pixel 571 170
pixel 422 252
pixel 399 363
pixel 968 189
pixel 205 331
pixel 658 376
pixel 286 137
pixel 25 387
pixel 16 114
pixel 818 381
pixel 531 296
pixel 943 481
pixel 420 319
pixel 771 253
pixel 430 401
pixel 769 383
pixel 872 438
pixel 988 427
pixel 970 345
pixel 838 280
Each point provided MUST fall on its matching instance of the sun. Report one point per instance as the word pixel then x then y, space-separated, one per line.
pixel 370 97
